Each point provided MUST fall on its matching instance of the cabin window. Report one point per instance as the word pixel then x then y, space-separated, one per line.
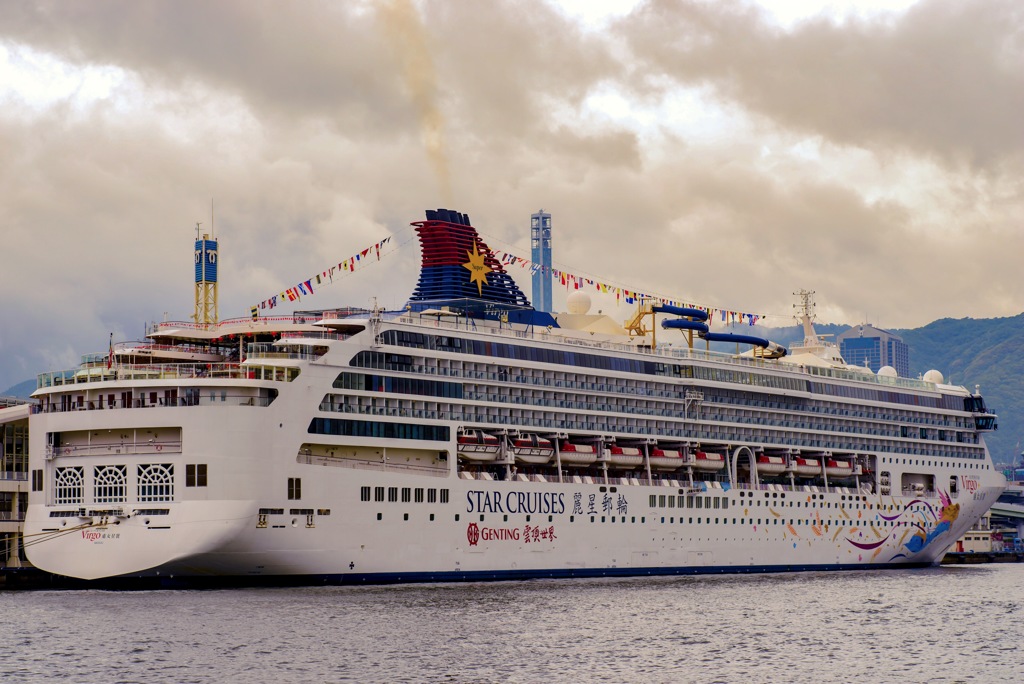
pixel 195 474
pixel 110 483
pixel 378 493
pixel 431 496
pixel 406 494
pixel 294 488
pixel 364 493
pixel 37 480
pixel 68 488
pixel 444 496
pixel 156 482
pixel 418 494
pixel 392 494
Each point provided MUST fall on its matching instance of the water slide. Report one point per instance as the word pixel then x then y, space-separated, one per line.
pixel 696 320
pixel 772 349
pixel 696 314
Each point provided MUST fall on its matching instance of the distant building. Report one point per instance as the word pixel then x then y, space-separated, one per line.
pixel 14 481
pixel 875 346
pixel 540 254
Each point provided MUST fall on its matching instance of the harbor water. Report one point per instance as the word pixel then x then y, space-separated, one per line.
pixel 945 624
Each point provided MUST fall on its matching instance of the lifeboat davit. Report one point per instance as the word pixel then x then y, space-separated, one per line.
pixel 708 462
pixel 665 459
pixel 477 445
pixel 532 449
pixel 838 469
pixel 625 457
pixel 806 467
pixel 770 465
pixel 577 454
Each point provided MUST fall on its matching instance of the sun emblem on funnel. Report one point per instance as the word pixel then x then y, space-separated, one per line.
pixel 478 270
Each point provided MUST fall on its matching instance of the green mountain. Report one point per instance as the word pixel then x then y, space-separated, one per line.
pixel 23 390
pixel 986 352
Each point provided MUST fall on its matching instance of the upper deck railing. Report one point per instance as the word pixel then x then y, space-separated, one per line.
pixel 167 371
pixel 667 352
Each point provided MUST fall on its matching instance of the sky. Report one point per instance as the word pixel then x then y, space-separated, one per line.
pixel 722 153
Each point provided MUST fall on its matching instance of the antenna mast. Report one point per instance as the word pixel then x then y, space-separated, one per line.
pixel 805 316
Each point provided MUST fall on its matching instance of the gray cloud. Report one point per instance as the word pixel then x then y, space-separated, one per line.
pixel 944 80
pixel 300 123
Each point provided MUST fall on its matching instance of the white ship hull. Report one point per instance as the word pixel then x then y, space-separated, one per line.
pixel 488 528
pixel 332 453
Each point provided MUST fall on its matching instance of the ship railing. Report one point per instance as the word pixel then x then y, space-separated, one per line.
pixel 313 335
pixel 166 371
pixel 383 465
pixel 142 402
pixel 920 494
pixel 268 351
pixel 124 448
pixel 543 335
pixel 129 347
pixel 263 322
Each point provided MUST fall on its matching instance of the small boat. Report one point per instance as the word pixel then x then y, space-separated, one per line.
pixel 577 454
pixel 532 449
pixel 477 445
pixel 806 467
pixel 770 465
pixel 838 469
pixel 665 459
pixel 625 457
pixel 708 461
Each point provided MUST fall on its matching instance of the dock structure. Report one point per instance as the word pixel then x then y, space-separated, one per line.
pixel 14 483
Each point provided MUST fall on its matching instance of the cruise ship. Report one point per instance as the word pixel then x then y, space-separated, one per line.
pixel 471 437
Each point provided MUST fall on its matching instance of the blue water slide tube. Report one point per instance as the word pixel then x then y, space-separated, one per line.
pixel 685 324
pixel 698 314
pixel 775 349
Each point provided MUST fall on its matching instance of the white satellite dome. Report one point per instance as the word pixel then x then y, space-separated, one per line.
pixel 887 372
pixel 933 376
pixel 578 303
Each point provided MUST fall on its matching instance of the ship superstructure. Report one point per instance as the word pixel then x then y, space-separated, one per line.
pixel 469 436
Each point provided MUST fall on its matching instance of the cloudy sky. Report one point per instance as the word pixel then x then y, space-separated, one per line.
pixel 726 153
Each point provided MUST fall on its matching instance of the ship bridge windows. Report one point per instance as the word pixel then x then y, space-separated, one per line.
pixel 974 404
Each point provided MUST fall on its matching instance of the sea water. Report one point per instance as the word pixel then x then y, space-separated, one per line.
pixel 946 624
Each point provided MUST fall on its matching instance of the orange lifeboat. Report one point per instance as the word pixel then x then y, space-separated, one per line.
pixel 532 449
pixel 708 462
pixel 477 445
pixel 838 469
pixel 770 465
pixel 666 459
pixel 625 457
pixel 577 454
pixel 806 467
